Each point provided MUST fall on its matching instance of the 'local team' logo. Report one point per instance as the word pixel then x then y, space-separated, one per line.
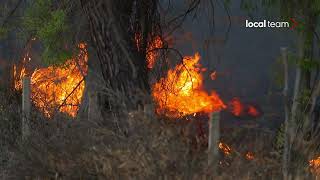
pixel 272 24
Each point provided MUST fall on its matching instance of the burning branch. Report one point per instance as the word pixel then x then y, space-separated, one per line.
pixel 60 86
pixel 181 92
pixel 74 89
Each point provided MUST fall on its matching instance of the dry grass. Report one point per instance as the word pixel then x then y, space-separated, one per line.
pixel 145 148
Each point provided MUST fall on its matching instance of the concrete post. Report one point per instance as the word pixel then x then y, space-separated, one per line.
pixel 26 107
pixel 213 144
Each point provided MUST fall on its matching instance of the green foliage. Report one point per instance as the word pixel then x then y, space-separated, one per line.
pixel 279 139
pixel 308 64
pixel 277 69
pixel 51 28
pixel 248 5
pixel 316 6
pixel 37 15
pixel 269 3
pixel 251 6
pixel 304 97
pixel 3 32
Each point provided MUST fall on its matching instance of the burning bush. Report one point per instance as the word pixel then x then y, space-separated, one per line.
pixel 58 88
pixel 181 92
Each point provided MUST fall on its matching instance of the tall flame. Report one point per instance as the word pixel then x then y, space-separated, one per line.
pixel 18 78
pixel 181 93
pixel 59 87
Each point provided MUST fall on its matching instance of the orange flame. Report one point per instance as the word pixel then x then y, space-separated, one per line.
pixel 180 93
pixel 253 111
pixel 58 87
pixel 152 53
pixel 225 148
pixel 213 75
pixel 314 166
pixel 250 156
pixel 237 107
pixel 18 78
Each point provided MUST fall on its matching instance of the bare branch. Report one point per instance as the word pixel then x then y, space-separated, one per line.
pixel 11 13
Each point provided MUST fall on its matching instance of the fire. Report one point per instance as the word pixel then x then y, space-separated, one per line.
pixel 253 111
pixel 137 38
pixel 250 156
pixel 314 166
pixel 152 53
pixel 237 108
pixel 18 78
pixel 213 75
pixel 59 87
pixel 181 93
pixel 225 148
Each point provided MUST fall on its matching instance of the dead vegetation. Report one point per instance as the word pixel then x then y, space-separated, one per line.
pixel 146 148
pixel 61 148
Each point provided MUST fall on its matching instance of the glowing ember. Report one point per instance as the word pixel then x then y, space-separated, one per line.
pixel 213 75
pixel 137 38
pixel 237 107
pixel 314 166
pixel 59 87
pixel 253 111
pixel 181 93
pixel 225 148
pixel 18 78
pixel 250 156
pixel 152 53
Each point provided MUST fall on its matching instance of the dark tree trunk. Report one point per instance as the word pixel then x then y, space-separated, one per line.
pixel 113 24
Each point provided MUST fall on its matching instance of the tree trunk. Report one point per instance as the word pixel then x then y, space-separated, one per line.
pixel 123 67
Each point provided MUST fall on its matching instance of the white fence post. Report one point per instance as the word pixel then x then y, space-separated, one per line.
pixel 26 107
pixel 213 144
